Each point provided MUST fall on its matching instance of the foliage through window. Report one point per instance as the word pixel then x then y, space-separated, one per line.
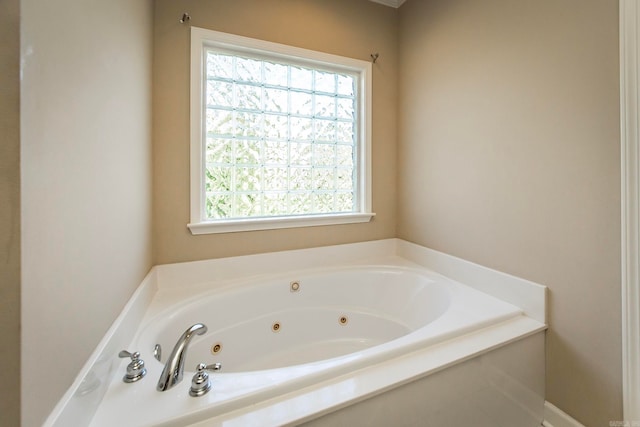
pixel 279 135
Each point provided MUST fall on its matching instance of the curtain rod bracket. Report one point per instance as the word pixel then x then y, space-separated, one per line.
pixel 374 57
pixel 185 18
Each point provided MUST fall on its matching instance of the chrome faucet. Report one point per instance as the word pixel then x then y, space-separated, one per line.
pixel 174 368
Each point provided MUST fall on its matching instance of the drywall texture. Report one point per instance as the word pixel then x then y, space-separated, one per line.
pixel 86 182
pixel 10 212
pixel 509 157
pixel 352 28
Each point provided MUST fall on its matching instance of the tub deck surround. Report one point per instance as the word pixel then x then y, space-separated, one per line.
pixel 80 402
pixel 460 323
pixel 529 296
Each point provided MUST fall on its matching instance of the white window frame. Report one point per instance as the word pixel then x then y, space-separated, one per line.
pixel 201 39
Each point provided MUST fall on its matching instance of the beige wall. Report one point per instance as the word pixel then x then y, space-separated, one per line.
pixel 353 28
pixel 10 212
pixel 509 157
pixel 86 182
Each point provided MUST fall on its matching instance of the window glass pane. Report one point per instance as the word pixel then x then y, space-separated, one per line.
pixel 346 85
pixel 276 126
pixel 301 78
pixel 346 108
pixel 325 106
pixel 275 178
pixel 301 129
pixel 276 153
pixel 344 155
pixel 275 74
pixel 344 202
pixel 301 153
pixel 275 203
pixel 301 104
pixel 219 93
pixel 276 100
pixel 300 203
pixel 219 206
pixel 325 130
pixel 323 203
pixel 248 124
pixel 248 70
pixel 345 132
pixel 218 178
pixel 249 204
pixel 248 152
pixel 219 122
pixel 219 151
pixel 323 179
pixel 344 179
pixel 248 97
pixel 324 155
pixel 219 65
pixel 325 82
pixel 300 179
pixel 248 179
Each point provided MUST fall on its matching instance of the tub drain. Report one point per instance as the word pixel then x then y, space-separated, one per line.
pixel 216 348
pixel 275 327
pixel 343 320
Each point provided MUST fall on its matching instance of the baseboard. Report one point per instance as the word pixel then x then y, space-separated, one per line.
pixel 554 417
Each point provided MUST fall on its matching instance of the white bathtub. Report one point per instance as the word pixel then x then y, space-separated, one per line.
pixel 347 320
pixel 362 312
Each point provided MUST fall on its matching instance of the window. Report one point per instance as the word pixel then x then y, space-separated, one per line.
pixel 279 136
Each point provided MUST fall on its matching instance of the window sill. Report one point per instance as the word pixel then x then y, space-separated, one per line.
pixel 254 224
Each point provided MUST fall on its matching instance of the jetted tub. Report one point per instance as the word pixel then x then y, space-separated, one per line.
pixel 294 320
pixel 349 323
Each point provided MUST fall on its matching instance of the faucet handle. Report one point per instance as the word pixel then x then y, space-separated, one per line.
pixel 124 354
pixel 135 369
pixel 201 384
pixel 213 367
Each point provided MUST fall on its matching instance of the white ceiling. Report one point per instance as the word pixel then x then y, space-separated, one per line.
pixel 392 3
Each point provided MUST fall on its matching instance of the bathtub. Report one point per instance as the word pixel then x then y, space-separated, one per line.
pixel 331 319
pixel 297 345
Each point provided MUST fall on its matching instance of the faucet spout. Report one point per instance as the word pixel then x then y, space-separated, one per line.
pixel 174 368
